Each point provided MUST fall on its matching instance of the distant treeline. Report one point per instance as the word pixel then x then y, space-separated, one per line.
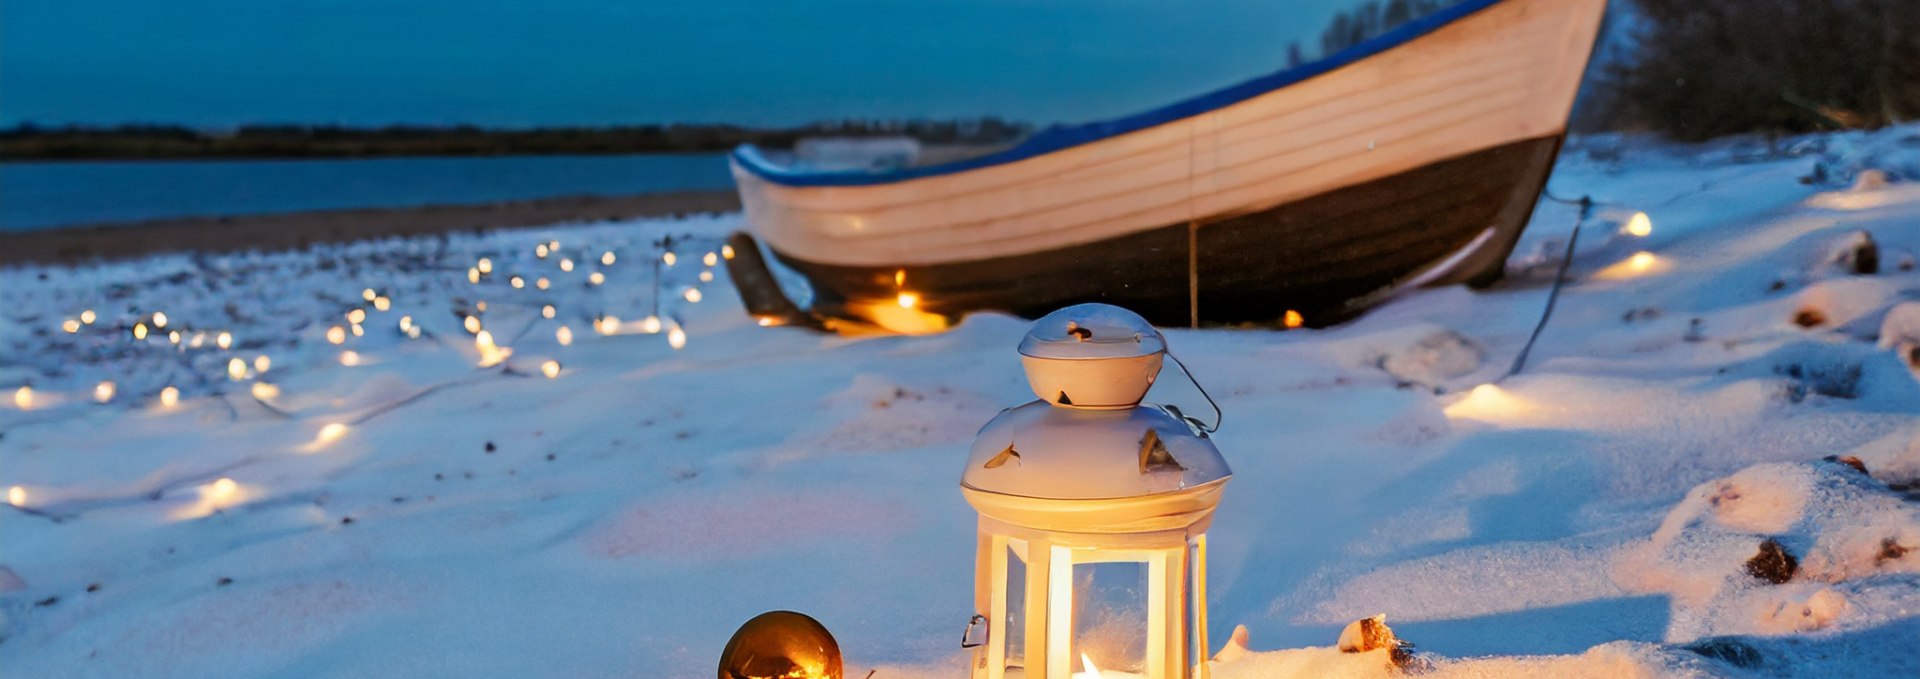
pixel 32 142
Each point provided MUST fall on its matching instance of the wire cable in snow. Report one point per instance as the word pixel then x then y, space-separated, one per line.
pixel 1559 280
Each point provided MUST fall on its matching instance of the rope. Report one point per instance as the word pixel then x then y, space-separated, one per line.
pixel 1559 279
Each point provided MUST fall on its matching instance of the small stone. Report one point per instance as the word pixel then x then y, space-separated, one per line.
pixel 95 587
pixel 549 457
pixel 1730 650
pixel 1773 563
pixel 491 447
pixel 49 601
pixel 1890 550
pixel 1809 317
pixel 1372 634
pixel 1848 460
pixel 222 582
pixel 345 520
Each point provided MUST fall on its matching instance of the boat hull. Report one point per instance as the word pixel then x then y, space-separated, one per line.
pixel 1325 257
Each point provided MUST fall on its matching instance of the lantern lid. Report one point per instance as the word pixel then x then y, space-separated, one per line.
pixel 1093 330
pixel 1040 451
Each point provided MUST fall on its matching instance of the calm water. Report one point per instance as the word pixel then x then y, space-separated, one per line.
pixel 51 195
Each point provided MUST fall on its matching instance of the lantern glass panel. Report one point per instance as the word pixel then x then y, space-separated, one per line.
pixel 1110 616
pixel 1013 630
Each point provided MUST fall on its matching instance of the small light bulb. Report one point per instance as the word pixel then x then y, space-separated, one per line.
pixel 606 258
pixel 103 392
pixel 541 283
pixel 563 335
pixel 23 397
pixel 551 369
pixel 710 259
pixel 566 264
pixel 706 276
pixel 139 331
pixel 224 340
pixel 368 294
pixel 337 335
pixel 87 317
pixel 350 358
pixel 265 391
pixel 70 325
pixel 357 316
pixel 406 322
pixel 170 396
pixel 473 275
pixel 669 258
pixel 222 489
pixel 382 303
pixel 597 278
pixel 17 496
pixel 1293 319
pixel 236 369
pixel 540 250
pixel 159 320
pixel 1640 225
pixel 726 251
pixel 472 324
pixel 330 433
pixel 650 325
pixel 676 337
pixel 692 295
pixel 608 325
pixel 907 300
pixel 173 336
pixel 261 363
pixel 547 311
pixel 485 265
pixel 357 330
pixel 517 282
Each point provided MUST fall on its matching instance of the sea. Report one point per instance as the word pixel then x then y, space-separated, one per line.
pixel 56 194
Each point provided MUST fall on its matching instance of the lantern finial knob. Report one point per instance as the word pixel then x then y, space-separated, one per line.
pixel 1094 355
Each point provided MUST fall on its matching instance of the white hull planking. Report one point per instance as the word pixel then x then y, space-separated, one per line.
pixel 1506 73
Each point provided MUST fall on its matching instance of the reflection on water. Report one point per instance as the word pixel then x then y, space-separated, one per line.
pixel 47 195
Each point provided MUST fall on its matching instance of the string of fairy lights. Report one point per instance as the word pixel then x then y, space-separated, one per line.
pixel 535 295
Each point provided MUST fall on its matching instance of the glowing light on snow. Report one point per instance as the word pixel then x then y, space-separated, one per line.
pixel 471 323
pixel 676 337
pixel 490 354
pixel 261 363
pixel 766 321
pixel 170 397
pixel 330 433
pixel 706 276
pixel 265 391
pixel 70 325
pixel 1639 225
pixel 484 265
pixel 223 489
pixel 669 258
pixel 551 369
pixel 1293 319
pixel 597 278
pixel 223 340
pixel 1640 264
pixel 173 337
pixel 540 250
pixel 1488 403
pixel 406 323
pixel 542 283
pixel 553 246
pixel 726 251
pixel 563 335
pixel 382 303
pixel 710 259
pixel 517 282
pixel 547 311
pixel 237 369
pixel 566 264
pixel 606 258
pixel 907 300
pixel 480 306
pixel 692 295
pixel 368 294
pixel 473 275
pixel 350 358
pixel 337 335
pixel 414 332
pixel 17 496
pixel 357 330
pixel 23 397
pixel 139 331
pixel 650 325
pixel 159 320
pixel 87 317
pixel 607 325
pixel 103 392
pixel 357 316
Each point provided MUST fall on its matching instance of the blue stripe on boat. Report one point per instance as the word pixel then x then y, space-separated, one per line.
pixel 1064 136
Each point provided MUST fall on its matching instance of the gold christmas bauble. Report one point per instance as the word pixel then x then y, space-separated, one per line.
pixel 781 645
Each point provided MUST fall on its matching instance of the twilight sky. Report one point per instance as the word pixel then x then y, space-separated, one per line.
pixel 596 62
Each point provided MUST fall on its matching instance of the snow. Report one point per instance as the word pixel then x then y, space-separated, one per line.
pixel 1591 516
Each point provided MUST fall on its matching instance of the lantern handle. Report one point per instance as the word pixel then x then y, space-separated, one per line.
pixel 1218 416
pixel 968 633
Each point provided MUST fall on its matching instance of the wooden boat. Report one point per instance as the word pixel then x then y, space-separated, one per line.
pixel 1413 158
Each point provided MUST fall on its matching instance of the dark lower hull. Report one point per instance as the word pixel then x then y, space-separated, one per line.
pixel 1328 256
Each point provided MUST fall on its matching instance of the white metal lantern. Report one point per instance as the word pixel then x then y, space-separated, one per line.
pixel 1093 512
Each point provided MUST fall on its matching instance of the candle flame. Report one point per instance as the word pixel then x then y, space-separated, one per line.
pixel 907 300
pixel 1093 672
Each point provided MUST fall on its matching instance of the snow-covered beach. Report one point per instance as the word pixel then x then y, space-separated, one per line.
pixel 386 506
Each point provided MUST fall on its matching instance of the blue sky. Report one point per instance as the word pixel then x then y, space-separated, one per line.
pixel 596 62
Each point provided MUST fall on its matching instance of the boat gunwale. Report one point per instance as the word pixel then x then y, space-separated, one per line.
pixel 1058 138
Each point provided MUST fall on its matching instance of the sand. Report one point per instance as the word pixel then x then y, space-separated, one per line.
pixel 290 230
